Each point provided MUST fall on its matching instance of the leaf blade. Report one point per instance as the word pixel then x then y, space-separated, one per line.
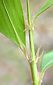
pixel 47 61
pixel 13 27
pixel 44 7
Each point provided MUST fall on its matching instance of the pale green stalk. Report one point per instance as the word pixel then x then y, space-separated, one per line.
pixel 33 65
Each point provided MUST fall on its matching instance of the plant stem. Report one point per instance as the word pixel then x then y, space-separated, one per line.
pixel 33 65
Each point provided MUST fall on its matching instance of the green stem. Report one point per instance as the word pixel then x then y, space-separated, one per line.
pixel 33 65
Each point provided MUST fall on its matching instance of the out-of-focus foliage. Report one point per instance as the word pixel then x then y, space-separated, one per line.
pixel 47 61
pixel 44 7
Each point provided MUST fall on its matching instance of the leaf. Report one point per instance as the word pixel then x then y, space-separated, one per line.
pixel 12 21
pixel 47 61
pixel 28 12
pixel 44 7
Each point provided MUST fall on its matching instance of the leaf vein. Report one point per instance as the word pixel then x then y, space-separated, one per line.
pixel 17 36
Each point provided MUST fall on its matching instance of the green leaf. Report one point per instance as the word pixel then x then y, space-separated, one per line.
pixel 28 12
pixel 47 61
pixel 12 21
pixel 44 7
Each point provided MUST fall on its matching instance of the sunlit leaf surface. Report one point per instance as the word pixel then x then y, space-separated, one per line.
pixel 12 20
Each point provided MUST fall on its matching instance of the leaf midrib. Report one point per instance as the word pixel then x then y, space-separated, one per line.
pixel 11 22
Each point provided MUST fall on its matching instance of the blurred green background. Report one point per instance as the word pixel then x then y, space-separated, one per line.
pixel 14 68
